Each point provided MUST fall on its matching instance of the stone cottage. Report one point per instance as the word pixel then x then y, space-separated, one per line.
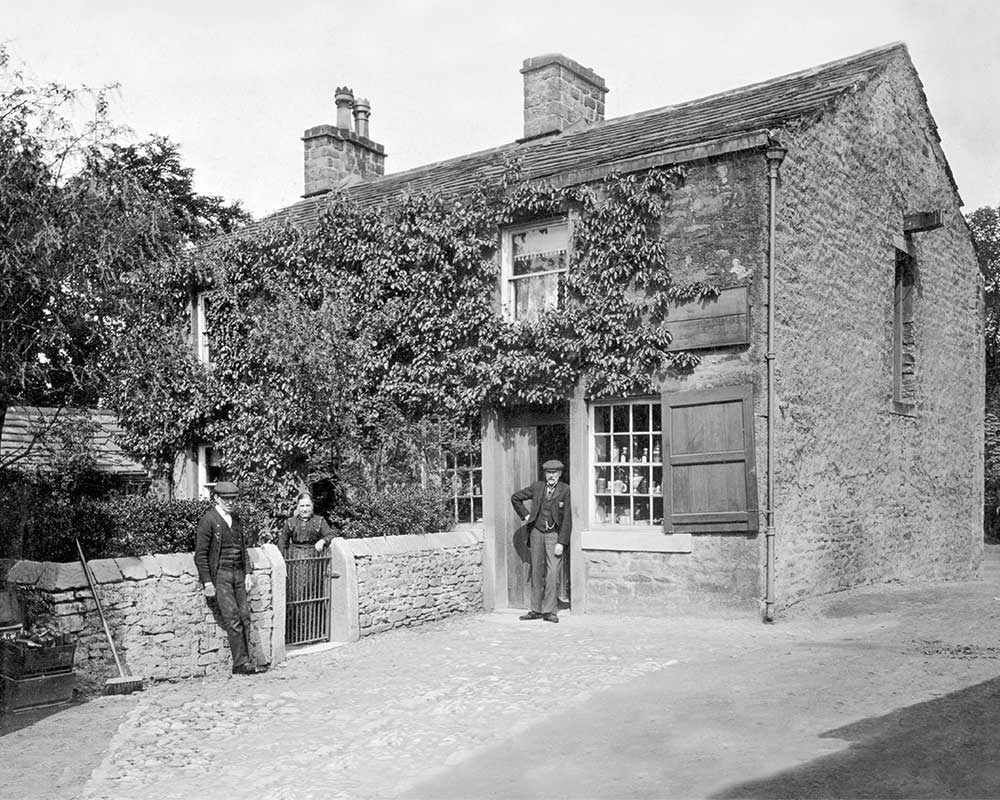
pixel 832 434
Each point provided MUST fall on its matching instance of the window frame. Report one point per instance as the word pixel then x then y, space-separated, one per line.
pixel 507 277
pixel 199 327
pixel 651 401
pixel 904 323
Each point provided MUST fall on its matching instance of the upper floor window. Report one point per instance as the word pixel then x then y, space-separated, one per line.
pixel 533 257
pixel 199 327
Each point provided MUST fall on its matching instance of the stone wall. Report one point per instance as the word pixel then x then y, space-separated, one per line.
pixel 715 231
pixel 161 623
pixel 719 576
pixel 865 494
pixel 394 581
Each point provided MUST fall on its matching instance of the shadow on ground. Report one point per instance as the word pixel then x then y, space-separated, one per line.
pixel 943 748
pixel 10 722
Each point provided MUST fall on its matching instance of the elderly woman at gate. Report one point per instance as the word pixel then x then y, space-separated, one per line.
pixel 305 533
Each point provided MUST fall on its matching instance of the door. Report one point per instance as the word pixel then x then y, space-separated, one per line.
pixel 530 442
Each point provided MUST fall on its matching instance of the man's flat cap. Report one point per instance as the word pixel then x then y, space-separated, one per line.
pixel 226 489
pixel 553 466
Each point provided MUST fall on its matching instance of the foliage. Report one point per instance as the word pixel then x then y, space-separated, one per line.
pixel 984 223
pixel 333 348
pixel 49 520
pixel 81 217
pixel 395 512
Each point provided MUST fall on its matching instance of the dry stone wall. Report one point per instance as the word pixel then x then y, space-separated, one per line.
pixel 410 580
pixel 161 623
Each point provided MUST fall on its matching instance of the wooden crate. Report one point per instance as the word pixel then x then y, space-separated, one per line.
pixel 17 660
pixel 21 694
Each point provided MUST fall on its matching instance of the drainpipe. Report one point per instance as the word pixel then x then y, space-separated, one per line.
pixel 775 155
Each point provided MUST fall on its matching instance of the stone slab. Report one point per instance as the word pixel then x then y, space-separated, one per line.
pixel 105 570
pixel 152 566
pixel 61 577
pixel 25 573
pixel 133 569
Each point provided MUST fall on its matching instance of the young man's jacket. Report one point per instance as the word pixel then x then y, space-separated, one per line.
pixel 208 544
pixel 561 513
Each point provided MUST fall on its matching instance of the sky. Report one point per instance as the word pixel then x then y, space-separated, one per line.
pixel 235 84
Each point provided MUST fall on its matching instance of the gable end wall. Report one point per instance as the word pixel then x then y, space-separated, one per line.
pixel 865 495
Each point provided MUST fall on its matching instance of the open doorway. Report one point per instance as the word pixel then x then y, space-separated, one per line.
pixel 530 439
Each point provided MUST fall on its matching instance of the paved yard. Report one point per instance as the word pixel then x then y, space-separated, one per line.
pixel 892 692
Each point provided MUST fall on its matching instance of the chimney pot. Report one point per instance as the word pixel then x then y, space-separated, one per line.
pixel 344 98
pixel 362 113
pixel 338 156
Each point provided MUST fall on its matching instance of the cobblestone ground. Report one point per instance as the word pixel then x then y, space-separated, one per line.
pixel 375 718
pixel 879 692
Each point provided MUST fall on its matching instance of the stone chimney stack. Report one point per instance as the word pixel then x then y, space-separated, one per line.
pixel 560 95
pixel 340 155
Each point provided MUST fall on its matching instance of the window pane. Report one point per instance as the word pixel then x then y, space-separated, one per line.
pixel 540 249
pixel 620 419
pixel 640 417
pixel 532 296
pixel 602 419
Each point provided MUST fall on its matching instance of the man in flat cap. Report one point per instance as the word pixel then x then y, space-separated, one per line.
pixel 220 554
pixel 550 523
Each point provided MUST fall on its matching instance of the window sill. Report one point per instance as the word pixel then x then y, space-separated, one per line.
pixel 635 539
pixel 904 409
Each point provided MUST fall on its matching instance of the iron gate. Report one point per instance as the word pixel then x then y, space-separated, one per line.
pixel 307 600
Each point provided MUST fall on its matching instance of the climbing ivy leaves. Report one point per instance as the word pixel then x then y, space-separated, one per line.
pixel 330 346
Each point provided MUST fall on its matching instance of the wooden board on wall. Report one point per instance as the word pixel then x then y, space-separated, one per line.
pixel 721 321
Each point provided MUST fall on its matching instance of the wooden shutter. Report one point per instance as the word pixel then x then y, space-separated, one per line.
pixel 716 322
pixel 710 483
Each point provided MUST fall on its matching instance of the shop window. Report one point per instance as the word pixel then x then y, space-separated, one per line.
pixel 628 464
pixel 533 259
pixel 683 463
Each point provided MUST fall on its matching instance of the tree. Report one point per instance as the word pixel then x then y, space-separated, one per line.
pixel 984 223
pixel 81 217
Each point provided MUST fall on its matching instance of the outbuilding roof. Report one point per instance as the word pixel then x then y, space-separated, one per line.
pixel 30 430
pixel 755 109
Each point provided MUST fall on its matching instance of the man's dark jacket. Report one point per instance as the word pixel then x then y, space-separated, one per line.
pixel 561 512
pixel 208 544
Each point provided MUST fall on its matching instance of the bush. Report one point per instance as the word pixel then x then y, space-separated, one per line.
pixel 395 512
pixel 120 526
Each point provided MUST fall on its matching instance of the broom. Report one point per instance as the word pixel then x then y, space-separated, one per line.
pixel 123 684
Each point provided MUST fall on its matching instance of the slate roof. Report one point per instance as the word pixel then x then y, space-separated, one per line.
pixel 750 109
pixel 23 423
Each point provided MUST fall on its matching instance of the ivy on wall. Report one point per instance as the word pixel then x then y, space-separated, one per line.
pixel 332 347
